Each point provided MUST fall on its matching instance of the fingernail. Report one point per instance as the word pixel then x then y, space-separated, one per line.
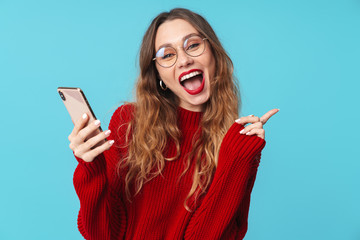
pixel 237 120
pixel 242 131
pixel 248 133
pixel 251 115
pixel 111 142
pixel 97 122
pixel 107 133
pixel 84 116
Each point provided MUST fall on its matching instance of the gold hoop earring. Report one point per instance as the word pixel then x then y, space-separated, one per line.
pixel 161 85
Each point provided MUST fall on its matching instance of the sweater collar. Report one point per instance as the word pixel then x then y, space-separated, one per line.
pixel 188 120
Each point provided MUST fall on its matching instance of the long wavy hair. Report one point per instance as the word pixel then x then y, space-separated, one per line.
pixel 155 116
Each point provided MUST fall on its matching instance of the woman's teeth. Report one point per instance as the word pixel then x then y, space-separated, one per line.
pixel 190 75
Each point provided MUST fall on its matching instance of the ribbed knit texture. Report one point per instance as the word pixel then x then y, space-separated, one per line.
pixel 158 211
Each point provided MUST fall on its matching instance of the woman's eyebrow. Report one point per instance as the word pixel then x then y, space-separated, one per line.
pixel 183 39
pixel 189 35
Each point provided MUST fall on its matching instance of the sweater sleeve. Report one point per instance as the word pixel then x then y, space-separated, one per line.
pixel 223 211
pixel 102 213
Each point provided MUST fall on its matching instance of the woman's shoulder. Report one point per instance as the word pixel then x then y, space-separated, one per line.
pixel 125 110
pixel 123 114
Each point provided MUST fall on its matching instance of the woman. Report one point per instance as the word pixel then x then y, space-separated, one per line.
pixel 175 165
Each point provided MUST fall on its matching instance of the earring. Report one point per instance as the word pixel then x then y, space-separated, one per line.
pixel 161 85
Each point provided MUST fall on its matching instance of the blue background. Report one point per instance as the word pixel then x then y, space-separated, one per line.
pixel 299 56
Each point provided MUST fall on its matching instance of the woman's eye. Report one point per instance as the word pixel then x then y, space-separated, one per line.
pixel 192 46
pixel 169 55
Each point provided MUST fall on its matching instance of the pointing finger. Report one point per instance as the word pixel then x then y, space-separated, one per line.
pixel 249 119
pixel 268 115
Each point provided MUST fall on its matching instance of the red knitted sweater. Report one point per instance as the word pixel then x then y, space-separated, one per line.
pixel 158 211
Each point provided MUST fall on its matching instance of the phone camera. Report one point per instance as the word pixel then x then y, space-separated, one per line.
pixel 62 96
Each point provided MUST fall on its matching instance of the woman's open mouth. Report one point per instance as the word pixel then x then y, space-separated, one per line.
pixel 192 81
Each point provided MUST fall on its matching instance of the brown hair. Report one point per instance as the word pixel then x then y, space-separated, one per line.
pixel 155 117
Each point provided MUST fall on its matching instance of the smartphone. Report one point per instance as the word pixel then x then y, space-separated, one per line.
pixel 76 104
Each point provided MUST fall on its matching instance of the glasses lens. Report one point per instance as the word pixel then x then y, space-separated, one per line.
pixel 194 46
pixel 166 56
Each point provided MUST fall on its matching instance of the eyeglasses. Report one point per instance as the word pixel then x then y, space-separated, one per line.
pixel 193 46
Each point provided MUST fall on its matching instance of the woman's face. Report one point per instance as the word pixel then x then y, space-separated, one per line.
pixel 189 78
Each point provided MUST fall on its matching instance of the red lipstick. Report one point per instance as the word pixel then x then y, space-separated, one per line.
pixel 200 88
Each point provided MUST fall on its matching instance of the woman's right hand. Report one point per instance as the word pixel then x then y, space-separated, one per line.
pixel 83 149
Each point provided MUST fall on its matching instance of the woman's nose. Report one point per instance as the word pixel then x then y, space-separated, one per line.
pixel 184 59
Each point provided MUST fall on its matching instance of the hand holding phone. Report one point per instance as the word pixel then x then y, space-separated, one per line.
pixel 84 143
pixel 87 140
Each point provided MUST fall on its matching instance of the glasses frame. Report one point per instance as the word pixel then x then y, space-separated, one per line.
pixel 203 39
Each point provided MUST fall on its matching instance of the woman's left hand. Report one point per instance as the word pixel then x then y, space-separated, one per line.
pixel 256 126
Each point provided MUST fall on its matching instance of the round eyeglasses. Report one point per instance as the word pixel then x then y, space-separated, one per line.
pixel 193 46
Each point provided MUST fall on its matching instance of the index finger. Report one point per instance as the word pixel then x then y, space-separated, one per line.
pixel 268 115
pixel 80 124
